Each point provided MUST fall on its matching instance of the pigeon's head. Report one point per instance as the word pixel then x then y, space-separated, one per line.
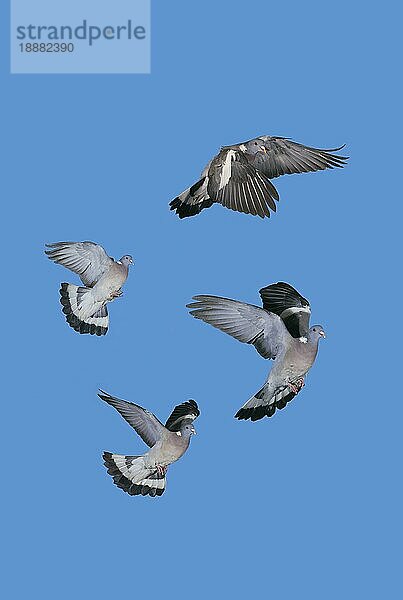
pixel 187 429
pixel 255 146
pixel 316 332
pixel 127 260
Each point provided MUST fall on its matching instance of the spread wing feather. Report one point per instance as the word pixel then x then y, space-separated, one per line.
pixel 87 259
pixel 285 157
pixel 245 322
pixel 149 428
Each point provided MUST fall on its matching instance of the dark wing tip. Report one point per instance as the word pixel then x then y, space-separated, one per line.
pixel 105 396
pixel 282 291
pixel 198 299
pixel 191 407
pixel 202 297
pixel 193 404
pixel 336 160
pixel 334 149
pixel 286 302
pixel 186 410
pixel 343 158
pixel 57 244
pixel 51 249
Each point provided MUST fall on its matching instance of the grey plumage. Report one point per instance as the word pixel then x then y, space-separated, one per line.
pixel 268 332
pixel 103 277
pixel 238 177
pixel 145 474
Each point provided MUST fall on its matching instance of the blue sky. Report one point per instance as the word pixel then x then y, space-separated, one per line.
pixel 304 505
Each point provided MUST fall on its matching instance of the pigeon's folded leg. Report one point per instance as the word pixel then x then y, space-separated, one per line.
pixel 296 387
pixel 161 470
pixel 114 295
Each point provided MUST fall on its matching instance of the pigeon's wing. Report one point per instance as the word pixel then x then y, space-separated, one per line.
pixel 235 183
pixel 281 298
pixel 187 410
pixel 245 322
pixel 282 156
pixel 88 260
pixel 149 428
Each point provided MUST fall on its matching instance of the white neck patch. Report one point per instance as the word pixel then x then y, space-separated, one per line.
pixel 303 340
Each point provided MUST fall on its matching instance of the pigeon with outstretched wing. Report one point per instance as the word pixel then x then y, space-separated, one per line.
pixel 279 331
pixel 103 277
pixel 238 177
pixel 146 474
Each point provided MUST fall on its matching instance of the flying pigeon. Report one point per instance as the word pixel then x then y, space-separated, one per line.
pixel 103 277
pixel 146 474
pixel 238 177
pixel 280 330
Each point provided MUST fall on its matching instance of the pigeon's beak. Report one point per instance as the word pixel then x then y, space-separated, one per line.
pixel 131 261
pixel 193 430
pixel 322 333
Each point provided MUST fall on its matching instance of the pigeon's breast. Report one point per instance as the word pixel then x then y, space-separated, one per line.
pixel 168 451
pixel 298 361
pixel 174 449
pixel 112 281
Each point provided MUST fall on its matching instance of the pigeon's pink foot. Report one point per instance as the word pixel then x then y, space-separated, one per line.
pixel 114 295
pixel 297 386
pixel 161 470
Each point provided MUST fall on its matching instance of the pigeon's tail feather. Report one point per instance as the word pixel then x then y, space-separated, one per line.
pixel 132 476
pixel 265 402
pixel 193 200
pixel 83 312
